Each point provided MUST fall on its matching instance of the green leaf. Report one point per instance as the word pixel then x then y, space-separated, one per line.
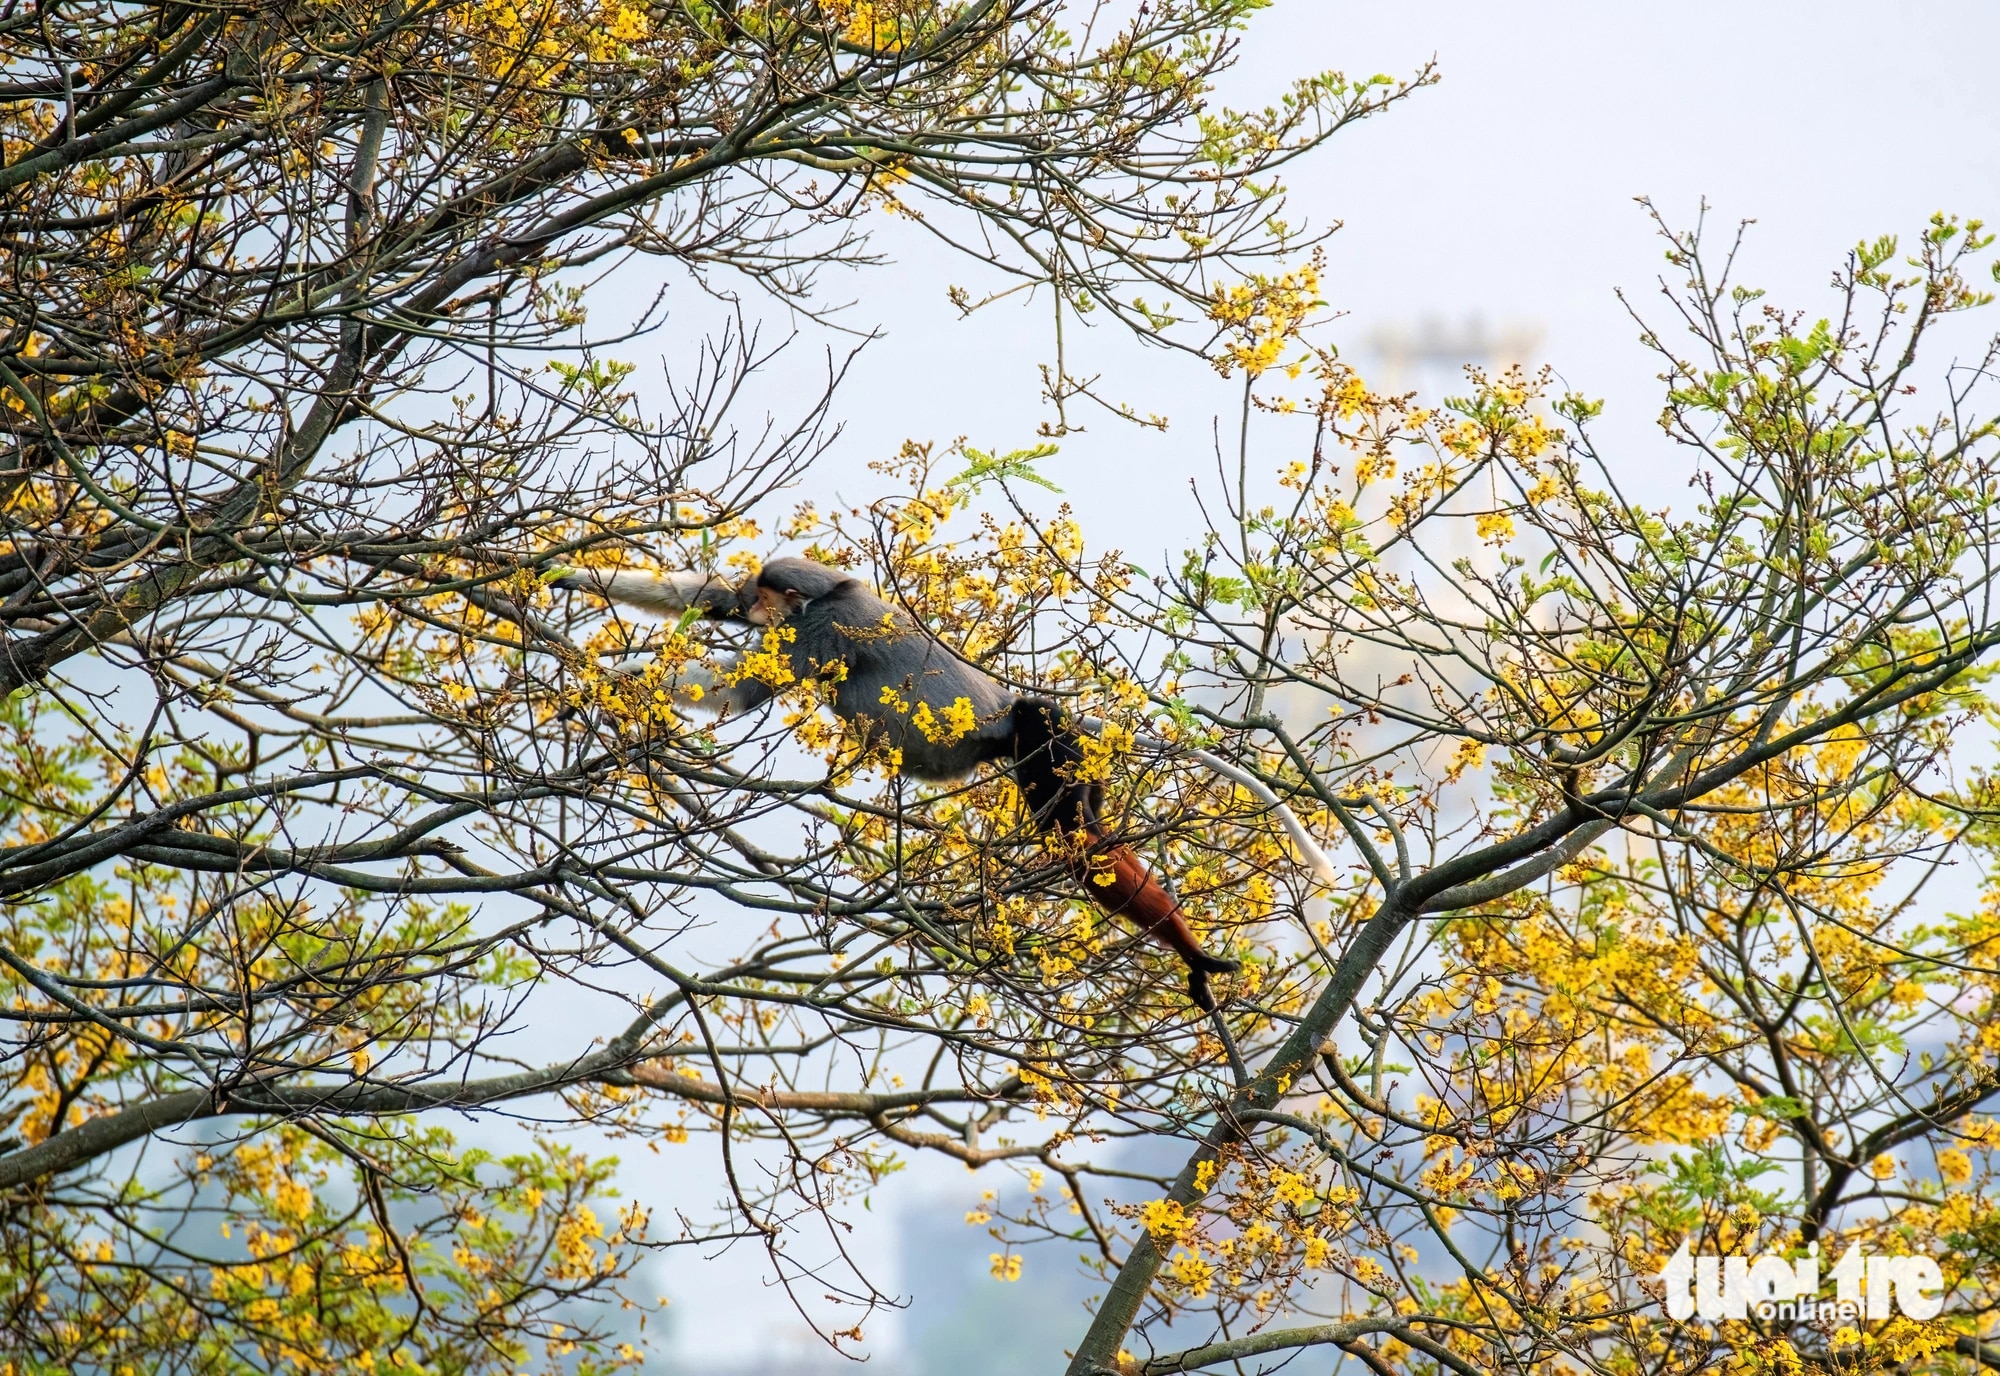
pixel 1004 468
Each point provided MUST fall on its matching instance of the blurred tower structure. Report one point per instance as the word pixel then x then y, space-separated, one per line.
pixel 1427 357
pixel 1430 357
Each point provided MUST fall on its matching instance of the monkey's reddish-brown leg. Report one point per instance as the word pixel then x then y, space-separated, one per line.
pixel 1047 765
pixel 1132 892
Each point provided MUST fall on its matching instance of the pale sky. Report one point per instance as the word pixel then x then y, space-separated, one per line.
pixel 1504 194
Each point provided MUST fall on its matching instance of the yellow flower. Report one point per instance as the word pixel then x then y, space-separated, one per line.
pixel 292 1201
pixel 1194 1273
pixel 1291 1187
pixel 1470 754
pixel 1006 1266
pixel 1164 1219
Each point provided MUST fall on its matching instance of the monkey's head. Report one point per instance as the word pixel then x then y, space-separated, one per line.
pixel 785 585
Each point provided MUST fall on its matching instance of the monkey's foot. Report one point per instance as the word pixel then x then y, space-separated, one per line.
pixel 1200 966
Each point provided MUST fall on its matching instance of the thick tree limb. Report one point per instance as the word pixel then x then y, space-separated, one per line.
pixel 1319 1335
pixel 613 1065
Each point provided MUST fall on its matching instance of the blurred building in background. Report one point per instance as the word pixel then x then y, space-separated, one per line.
pixel 960 1320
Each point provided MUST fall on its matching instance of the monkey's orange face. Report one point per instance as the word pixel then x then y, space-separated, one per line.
pixel 774 606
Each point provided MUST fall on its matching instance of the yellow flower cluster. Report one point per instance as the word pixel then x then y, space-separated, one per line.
pixel 1264 317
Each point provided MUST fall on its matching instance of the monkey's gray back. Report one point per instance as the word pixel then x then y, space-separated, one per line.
pixel 849 626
